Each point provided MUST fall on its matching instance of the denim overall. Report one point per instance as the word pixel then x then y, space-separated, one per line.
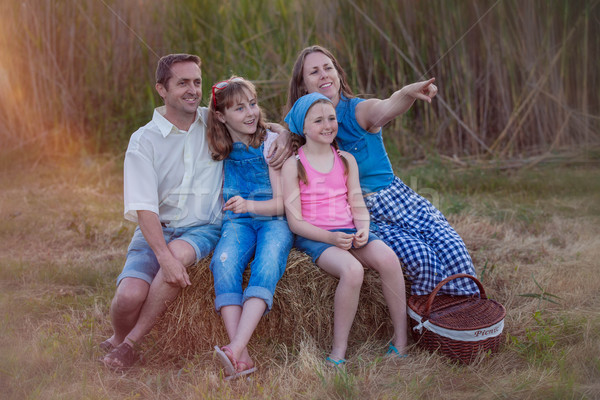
pixel 244 236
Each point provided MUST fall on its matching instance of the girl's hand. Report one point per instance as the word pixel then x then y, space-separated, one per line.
pixel 342 240
pixel 361 238
pixel 237 205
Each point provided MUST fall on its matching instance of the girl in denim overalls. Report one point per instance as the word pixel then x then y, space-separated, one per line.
pixel 253 225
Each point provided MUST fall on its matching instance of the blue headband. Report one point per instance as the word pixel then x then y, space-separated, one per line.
pixel 295 118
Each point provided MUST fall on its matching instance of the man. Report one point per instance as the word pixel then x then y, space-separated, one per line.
pixel 172 190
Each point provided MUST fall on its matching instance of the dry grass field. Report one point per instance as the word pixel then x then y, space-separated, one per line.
pixel 533 233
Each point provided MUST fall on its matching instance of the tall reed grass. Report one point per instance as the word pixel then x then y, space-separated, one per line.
pixel 514 77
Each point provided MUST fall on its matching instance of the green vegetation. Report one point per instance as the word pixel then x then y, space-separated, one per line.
pixel 514 77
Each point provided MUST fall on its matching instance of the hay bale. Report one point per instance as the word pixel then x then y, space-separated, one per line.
pixel 303 304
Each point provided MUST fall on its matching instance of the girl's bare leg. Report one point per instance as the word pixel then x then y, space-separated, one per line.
pixel 344 266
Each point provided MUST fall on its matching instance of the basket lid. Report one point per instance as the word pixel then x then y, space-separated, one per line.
pixel 459 312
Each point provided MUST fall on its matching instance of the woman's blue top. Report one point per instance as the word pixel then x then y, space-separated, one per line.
pixel 374 166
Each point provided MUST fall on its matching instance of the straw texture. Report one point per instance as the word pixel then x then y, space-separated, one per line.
pixel 303 304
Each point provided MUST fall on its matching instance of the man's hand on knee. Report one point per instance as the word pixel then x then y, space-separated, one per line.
pixel 175 272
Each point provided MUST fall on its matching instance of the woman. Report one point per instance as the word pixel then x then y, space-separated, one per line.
pixel 429 248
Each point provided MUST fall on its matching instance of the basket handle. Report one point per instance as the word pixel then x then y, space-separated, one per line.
pixel 442 283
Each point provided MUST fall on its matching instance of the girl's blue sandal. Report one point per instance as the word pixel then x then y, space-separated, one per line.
pixel 392 350
pixel 335 363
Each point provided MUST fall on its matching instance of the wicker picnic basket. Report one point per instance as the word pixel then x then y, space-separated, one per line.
pixel 459 327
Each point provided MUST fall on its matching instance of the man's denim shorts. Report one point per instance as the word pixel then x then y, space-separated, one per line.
pixel 141 261
pixel 314 249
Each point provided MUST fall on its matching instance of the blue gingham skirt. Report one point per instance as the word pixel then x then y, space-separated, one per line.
pixel 428 247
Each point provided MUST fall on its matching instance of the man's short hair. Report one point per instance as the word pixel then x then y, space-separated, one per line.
pixel 163 70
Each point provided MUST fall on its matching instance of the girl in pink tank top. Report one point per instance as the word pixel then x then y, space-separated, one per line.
pixel 325 209
pixel 324 198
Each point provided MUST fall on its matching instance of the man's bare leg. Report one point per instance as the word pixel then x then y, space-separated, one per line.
pixel 160 295
pixel 125 307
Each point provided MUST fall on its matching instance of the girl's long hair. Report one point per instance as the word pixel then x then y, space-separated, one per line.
pixel 299 141
pixel 219 139
pixel 297 88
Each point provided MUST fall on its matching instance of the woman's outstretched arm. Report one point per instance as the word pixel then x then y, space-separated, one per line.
pixel 372 114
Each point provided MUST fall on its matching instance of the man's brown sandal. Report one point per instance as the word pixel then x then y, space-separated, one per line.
pixel 121 357
pixel 106 346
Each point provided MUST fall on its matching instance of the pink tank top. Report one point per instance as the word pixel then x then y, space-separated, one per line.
pixel 324 200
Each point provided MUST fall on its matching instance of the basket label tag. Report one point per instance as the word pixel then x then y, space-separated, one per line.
pixel 464 336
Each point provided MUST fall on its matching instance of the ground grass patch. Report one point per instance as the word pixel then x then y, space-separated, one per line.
pixel 529 245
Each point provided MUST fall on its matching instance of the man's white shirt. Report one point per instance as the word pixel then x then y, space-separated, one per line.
pixel 171 173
